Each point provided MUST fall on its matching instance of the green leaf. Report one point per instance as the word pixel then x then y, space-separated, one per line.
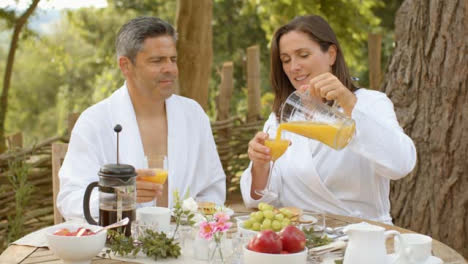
pixel 314 240
pixel 187 194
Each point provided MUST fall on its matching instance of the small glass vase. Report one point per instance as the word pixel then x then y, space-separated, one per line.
pixel 215 255
pixel 220 249
pixel 186 237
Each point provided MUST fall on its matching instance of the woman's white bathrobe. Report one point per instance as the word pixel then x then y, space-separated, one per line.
pixel 193 162
pixel 353 181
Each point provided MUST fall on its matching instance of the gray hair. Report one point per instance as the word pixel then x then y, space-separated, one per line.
pixel 132 35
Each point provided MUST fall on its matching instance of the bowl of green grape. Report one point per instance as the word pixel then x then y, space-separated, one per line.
pixel 266 218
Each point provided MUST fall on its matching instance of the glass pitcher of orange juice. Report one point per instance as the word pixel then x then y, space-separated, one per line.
pixel 309 117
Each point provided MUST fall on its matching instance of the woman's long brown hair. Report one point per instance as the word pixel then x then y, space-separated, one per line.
pixel 319 31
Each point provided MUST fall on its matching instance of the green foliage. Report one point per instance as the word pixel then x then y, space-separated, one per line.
pixel 315 240
pixel 267 102
pixel 237 26
pixel 159 246
pixel 18 178
pixel 164 9
pixel 9 16
pixel 154 244
pixel 386 14
pixel 98 28
pixel 121 245
pixel 181 216
pixel 77 68
pixel 351 20
pixel 74 66
pixel 34 89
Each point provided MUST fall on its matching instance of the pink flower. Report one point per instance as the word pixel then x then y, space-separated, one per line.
pixel 206 230
pixel 222 226
pixel 219 223
pixel 221 217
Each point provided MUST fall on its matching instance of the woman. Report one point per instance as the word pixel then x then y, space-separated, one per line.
pixel 305 55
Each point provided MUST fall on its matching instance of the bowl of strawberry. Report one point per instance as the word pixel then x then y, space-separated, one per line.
pixel 76 243
pixel 287 246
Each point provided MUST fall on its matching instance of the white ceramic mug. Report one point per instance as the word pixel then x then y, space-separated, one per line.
pixel 416 248
pixel 155 215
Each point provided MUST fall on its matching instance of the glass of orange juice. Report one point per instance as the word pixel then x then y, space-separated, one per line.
pixel 277 148
pixel 158 164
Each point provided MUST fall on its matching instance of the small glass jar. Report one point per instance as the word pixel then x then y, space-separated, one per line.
pixel 139 227
pixel 186 237
pixel 220 249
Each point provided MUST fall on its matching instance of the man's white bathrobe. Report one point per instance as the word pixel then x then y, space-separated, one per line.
pixel 354 181
pixel 193 161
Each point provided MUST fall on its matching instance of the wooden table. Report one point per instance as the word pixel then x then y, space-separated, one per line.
pixel 30 255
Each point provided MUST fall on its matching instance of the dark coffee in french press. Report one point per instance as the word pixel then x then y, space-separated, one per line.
pixel 117 193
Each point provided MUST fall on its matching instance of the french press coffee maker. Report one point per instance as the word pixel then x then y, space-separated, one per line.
pixel 117 193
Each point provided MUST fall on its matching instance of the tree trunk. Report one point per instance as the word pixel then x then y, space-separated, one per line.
pixel 427 80
pixel 194 48
pixel 19 23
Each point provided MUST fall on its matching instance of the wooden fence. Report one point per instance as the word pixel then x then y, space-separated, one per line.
pixel 39 211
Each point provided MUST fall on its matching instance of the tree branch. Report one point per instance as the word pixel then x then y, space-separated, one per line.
pixel 20 22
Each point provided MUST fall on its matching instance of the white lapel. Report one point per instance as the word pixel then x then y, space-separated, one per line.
pixel 312 180
pixel 178 146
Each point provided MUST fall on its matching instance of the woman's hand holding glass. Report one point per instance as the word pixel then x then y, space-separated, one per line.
pixel 262 150
pixel 259 154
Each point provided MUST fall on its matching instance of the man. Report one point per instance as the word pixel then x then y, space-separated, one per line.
pixel 154 121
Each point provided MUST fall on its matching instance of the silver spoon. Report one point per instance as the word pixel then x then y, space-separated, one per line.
pixel 335 231
pixel 114 225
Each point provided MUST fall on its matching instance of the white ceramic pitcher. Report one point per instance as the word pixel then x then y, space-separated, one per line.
pixel 367 244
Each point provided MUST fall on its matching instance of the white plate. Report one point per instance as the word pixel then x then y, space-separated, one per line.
pixel 239 221
pixel 219 208
pixel 310 219
pixel 224 209
pixel 431 260
pixel 305 217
